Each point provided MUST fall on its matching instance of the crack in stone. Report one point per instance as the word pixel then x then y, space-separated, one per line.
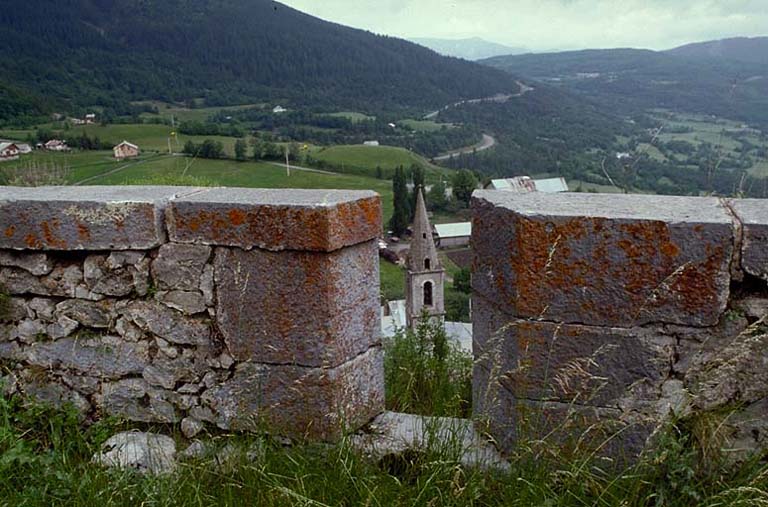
pixel 737 272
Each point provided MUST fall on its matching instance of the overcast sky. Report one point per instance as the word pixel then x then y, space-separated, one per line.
pixel 552 24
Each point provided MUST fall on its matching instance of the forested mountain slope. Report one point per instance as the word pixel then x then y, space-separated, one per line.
pixel 739 49
pixel 108 52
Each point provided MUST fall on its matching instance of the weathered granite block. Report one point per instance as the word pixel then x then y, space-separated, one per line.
pixel 84 218
pixel 180 267
pixel 314 220
pixel 753 214
pixel 570 363
pixel 304 308
pixel 562 428
pixel 603 259
pixel 313 403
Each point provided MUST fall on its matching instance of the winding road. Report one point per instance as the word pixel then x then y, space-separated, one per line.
pixel 499 98
pixel 487 143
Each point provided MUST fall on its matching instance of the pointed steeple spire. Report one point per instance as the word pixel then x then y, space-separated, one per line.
pixel 423 254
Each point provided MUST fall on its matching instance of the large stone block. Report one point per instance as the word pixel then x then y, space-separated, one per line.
pixel 602 259
pixel 304 308
pixel 569 363
pixel 106 357
pixel 313 403
pixel 753 214
pixel 315 220
pixel 563 429
pixel 84 218
pixel 180 267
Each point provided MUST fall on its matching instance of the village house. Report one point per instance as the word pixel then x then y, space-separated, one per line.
pixel 24 148
pixel 454 235
pixel 125 150
pixel 56 145
pixel 89 119
pixel 8 151
pixel 279 109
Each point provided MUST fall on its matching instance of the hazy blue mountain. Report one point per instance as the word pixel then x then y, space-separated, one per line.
pixel 474 48
pixel 739 49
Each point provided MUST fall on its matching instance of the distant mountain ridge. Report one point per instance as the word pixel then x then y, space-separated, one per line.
pixel 739 49
pixel 727 78
pixel 109 52
pixel 473 48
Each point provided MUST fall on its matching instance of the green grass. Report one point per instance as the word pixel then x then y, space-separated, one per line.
pixel 651 151
pixel 353 116
pixel 45 461
pixel 392 281
pixel 425 125
pixel 367 158
pixel 426 374
pixel 218 172
pixel 81 165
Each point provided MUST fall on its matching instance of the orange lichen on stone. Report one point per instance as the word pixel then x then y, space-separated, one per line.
pixel 236 217
pixel 83 232
pixel 10 231
pixel 32 241
pixel 51 239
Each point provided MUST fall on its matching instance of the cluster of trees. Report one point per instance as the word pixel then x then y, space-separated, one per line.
pixel 197 128
pixel 262 148
pixel 207 149
pixel 463 184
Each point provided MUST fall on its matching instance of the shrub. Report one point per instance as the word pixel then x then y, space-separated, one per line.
pixel 426 374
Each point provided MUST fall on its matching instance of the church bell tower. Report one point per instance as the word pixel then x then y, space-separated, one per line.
pixel 425 278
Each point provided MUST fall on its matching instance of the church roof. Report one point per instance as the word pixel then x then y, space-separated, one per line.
pixel 422 242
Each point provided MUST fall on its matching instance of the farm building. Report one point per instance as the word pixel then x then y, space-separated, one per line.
pixel 279 109
pixel 24 148
pixel 125 150
pixel 56 145
pixel 453 235
pixel 371 143
pixel 8 151
pixel 526 184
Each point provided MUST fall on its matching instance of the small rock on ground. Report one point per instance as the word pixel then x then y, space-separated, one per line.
pixel 147 453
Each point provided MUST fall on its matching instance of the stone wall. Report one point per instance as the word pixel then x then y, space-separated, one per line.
pixel 598 314
pixel 237 308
